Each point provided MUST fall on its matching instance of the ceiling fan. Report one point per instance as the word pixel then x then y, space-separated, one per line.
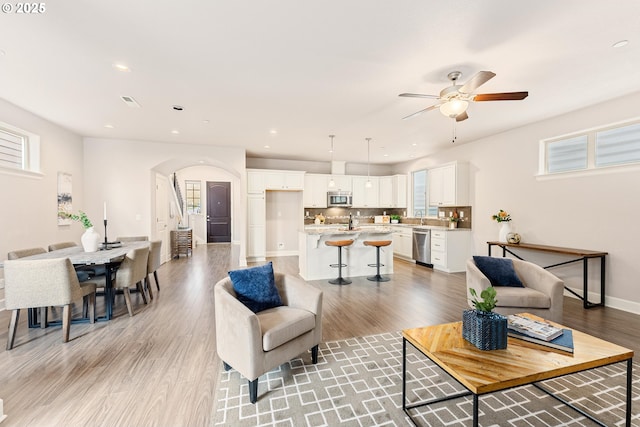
pixel 454 100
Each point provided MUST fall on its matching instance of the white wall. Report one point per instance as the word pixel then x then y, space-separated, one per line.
pixel 593 212
pixel 28 217
pixel 284 218
pixel 120 172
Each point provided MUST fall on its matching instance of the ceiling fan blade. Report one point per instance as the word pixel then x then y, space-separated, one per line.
pixel 418 95
pixel 433 107
pixel 476 81
pixel 505 96
pixel 462 116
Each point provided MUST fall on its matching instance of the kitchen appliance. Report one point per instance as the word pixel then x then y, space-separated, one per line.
pixel 422 246
pixel 340 199
pixel 381 219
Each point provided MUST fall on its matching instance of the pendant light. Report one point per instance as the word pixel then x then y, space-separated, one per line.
pixel 368 184
pixel 332 183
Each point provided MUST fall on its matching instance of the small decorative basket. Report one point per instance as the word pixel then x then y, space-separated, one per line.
pixel 485 330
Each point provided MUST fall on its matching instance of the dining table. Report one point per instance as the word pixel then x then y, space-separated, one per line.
pixel 110 258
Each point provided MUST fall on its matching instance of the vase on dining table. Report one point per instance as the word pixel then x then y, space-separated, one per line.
pixel 90 240
pixel 505 229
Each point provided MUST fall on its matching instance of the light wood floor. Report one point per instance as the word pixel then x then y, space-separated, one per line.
pixel 159 367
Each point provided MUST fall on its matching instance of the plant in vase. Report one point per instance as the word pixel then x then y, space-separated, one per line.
pixel 394 219
pixel 90 239
pixel 504 219
pixel 453 220
pixel 481 326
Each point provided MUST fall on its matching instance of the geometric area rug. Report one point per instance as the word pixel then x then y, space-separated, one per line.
pixel 358 382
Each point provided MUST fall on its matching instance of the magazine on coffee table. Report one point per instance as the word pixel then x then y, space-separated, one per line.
pixel 533 328
pixel 563 342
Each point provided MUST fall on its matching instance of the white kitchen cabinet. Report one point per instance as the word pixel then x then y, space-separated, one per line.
pixel 450 250
pixel 342 183
pixel 385 190
pixel 449 185
pixel 364 197
pixel 255 182
pixel 403 242
pixel 284 180
pixel 315 191
pixel 393 191
pixel 256 230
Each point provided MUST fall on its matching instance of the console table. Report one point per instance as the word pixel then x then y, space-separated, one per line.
pixel 181 242
pixel 581 254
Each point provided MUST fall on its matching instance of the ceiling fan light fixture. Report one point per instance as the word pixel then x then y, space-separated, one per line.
pixel 454 107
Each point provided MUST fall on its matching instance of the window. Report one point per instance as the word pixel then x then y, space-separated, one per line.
pixel 19 150
pixel 12 147
pixel 420 195
pixel 618 146
pixel 192 189
pixel 593 149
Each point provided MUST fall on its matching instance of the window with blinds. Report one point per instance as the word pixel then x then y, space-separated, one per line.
pixel 567 155
pixel 12 149
pixel 603 147
pixel 421 206
pixel 618 146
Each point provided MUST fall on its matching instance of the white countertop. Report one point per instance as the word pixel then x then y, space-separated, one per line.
pixel 371 228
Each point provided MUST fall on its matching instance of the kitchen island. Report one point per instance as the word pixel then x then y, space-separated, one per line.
pixel 315 256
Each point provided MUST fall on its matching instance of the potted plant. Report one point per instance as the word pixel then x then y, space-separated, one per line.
pixel 90 239
pixel 394 219
pixel 481 326
pixel 504 219
pixel 453 220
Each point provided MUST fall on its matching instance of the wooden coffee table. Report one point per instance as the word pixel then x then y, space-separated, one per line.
pixel 521 363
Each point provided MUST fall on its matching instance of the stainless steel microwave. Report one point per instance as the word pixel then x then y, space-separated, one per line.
pixel 339 199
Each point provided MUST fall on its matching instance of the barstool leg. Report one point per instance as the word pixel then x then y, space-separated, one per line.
pixel 340 280
pixel 378 277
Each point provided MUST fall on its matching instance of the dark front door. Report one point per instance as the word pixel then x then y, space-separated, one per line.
pixel 218 212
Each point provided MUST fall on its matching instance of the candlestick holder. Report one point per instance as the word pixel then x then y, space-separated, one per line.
pixel 107 244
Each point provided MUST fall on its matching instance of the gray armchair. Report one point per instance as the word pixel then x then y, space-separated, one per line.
pixel 541 295
pixel 255 343
pixel 43 283
pixel 154 262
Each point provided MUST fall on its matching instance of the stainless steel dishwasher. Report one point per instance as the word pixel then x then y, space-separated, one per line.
pixel 422 246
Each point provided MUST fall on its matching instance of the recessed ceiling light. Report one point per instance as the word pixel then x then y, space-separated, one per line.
pixel 121 67
pixel 621 43
pixel 414 144
pixel 273 132
pixel 109 126
pixel 385 155
pixel 267 147
pixel 177 107
pixel 206 122
pixel 175 132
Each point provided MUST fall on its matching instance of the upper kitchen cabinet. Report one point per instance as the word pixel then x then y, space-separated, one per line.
pixel 255 182
pixel 315 191
pixel 284 180
pixel 364 197
pixel 342 183
pixel 393 191
pixel 449 185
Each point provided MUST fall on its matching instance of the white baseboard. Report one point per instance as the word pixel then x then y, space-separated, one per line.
pixel 617 303
pixel 282 253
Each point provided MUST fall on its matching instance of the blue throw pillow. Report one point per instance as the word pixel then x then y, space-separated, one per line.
pixel 256 287
pixel 499 271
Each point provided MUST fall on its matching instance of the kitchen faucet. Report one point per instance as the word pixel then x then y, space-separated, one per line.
pixel 421 217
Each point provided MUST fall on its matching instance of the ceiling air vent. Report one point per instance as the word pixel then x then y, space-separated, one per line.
pixel 130 101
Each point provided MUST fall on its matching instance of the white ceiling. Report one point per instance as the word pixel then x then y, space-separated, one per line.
pixel 310 69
